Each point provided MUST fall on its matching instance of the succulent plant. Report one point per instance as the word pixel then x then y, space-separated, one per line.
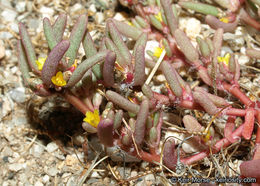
pixel 133 117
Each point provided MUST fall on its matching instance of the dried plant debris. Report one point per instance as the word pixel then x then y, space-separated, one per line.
pixel 173 85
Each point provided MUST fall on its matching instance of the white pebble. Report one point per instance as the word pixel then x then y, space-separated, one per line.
pixel 20 6
pixel 99 17
pixel 45 179
pixel 38 183
pixel 46 11
pixel 9 15
pixel 51 147
pixel 243 60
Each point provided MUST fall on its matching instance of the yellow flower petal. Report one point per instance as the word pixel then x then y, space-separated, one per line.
pixel 159 17
pixel 40 62
pixel 92 118
pixel 157 52
pixel 224 59
pixel 75 64
pixel 207 137
pixel 129 23
pixel 58 79
pixel 224 19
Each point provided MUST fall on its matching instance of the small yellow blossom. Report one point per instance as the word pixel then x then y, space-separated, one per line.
pixel 40 62
pixel 58 79
pixel 158 51
pixel 224 19
pixel 75 64
pixel 224 59
pixel 92 118
pixel 207 137
pixel 159 17
pixel 129 23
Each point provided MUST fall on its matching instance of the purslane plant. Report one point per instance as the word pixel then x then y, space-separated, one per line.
pixel 133 116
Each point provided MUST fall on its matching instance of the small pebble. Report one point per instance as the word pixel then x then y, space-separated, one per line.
pixel 18 95
pixel 71 160
pixel 99 17
pixel 51 147
pixel 37 150
pixel 46 11
pixel 9 15
pixel 15 167
pixel 20 6
pixel 2 51
pixel 52 171
pixel 243 60
pixel 38 183
pixel 45 179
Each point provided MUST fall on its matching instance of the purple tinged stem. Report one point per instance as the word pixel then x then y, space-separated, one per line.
pixel 140 124
pixel 51 64
pixel 108 70
pixel 171 77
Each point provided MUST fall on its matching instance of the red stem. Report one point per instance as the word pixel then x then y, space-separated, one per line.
pixel 238 94
pixel 220 144
pixel 76 102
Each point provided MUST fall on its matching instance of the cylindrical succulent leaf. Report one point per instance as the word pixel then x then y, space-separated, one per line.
pixel 108 70
pixel 118 119
pixel 127 30
pixel 141 41
pixel 167 47
pixel 171 20
pixel 76 37
pixel 147 91
pixel 205 102
pixel 155 22
pixel 170 155
pixel 122 102
pixel 111 46
pixel 28 47
pixel 200 7
pixel 139 73
pixel 105 132
pixel 215 23
pixel 186 46
pixel 170 75
pixel 23 65
pixel 85 66
pixel 191 124
pixel 51 64
pixel 90 50
pixel 204 47
pixel 49 34
pixel 117 39
pixel 250 168
pixel 140 124
pixel 59 26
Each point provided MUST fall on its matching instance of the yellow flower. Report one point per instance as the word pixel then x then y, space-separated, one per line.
pixel 159 17
pixel 207 137
pixel 129 23
pixel 75 64
pixel 40 62
pixel 58 79
pixel 92 118
pixel 224 59
pixel 157 52
pixel 224 19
